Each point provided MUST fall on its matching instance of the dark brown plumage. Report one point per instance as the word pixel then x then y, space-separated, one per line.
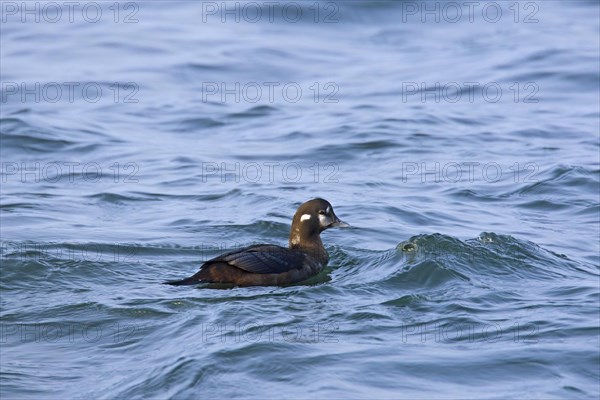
pixel 267 265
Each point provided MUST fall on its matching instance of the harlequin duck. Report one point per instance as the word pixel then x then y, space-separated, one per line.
pixel 267 265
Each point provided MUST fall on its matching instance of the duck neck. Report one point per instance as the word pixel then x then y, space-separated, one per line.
pixel 309 244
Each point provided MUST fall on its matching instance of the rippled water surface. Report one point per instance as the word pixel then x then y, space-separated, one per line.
pixel 462 145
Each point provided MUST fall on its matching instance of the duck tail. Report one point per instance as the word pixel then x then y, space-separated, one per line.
pixel 192 280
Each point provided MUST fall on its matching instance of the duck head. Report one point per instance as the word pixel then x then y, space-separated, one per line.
pixel 312 218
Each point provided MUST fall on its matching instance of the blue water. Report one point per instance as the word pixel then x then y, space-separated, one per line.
pixel 462 144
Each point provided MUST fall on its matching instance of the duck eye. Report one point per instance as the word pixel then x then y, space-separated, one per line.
pixel 321 212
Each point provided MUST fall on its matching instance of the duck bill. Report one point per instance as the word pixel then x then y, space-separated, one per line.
pixel 338 223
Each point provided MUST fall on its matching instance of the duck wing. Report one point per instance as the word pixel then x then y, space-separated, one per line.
pixel 262 259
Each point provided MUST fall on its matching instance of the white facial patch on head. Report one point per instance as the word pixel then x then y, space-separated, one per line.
pixel 305 217
pixel 323 220
pixel 328 210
